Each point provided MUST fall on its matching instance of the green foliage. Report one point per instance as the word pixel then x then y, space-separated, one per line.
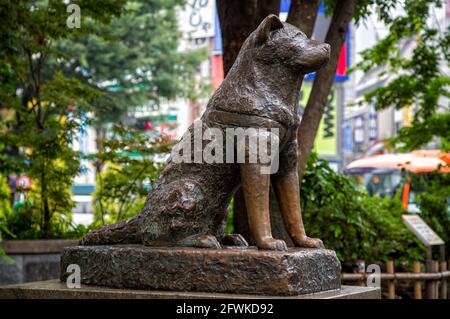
pixel 135 59
pixel 422 84
pixel 37 135
pixel 349 221
pixel 5 209
pixel 131 159
pixel 5 198
pixel 124 55
pixel 230 227
pixel 432 195
pixel 24 220
pixel 421 81
pixel 25 223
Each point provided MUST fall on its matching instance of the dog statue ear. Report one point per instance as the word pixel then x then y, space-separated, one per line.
pixel 270 23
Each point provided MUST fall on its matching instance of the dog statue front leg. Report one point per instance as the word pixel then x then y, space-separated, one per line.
pixel 256 193
pixel 288 196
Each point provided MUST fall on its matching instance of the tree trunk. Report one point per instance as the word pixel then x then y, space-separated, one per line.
pixel 100 135
pixel 46 228
pixel 45 211
pixel 237 20
pixel 303 14
pixel 323 82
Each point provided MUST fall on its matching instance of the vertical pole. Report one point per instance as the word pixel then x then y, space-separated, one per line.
pixel 391 283
pixel 443 281
pixel 443 267
pixel 437 283
pixel 417 283
pixel 362 270
pixel 430 285
pixel 442 252
pixel 448 266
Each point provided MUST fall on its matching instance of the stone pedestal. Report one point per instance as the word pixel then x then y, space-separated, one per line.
pixel 55 289
pixel 232 270
pixel 34 260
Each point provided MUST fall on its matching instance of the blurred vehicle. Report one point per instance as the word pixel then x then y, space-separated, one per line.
pixel 382 174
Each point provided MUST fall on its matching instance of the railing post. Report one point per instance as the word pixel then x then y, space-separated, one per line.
pixel 443 294
pixel 361 264
pixel 417 283
pixel 391 283
pixel 448 265
pixel 437 283
pixel 430 284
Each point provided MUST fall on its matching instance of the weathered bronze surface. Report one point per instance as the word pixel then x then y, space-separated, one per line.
pixel 188 204
pixel 297 271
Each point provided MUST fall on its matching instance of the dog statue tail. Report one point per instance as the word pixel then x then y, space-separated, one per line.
pixel 123 232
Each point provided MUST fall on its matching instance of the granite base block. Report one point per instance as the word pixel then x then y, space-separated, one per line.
pixel 33 260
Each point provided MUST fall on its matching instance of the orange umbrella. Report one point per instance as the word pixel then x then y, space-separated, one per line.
pixel 417 161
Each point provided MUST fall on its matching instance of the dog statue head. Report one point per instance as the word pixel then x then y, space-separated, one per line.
pixel 279 41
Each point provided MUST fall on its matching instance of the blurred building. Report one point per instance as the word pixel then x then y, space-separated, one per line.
pixel 364 128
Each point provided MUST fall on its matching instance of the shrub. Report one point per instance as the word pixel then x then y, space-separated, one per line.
pixel 354 224
pixel 433 199
pixel 24 221
pixel 5 209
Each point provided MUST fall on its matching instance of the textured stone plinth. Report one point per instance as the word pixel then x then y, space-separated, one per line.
pixel 239 271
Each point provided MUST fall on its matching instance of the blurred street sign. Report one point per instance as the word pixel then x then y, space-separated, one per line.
pixel 373 124
pixel 326 139
pixel 422 231
pixel 347 138
pixel 359 130
pixel 197 18
pixel 23 182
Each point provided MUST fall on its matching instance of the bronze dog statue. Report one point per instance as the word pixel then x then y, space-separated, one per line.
pixel 188 204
